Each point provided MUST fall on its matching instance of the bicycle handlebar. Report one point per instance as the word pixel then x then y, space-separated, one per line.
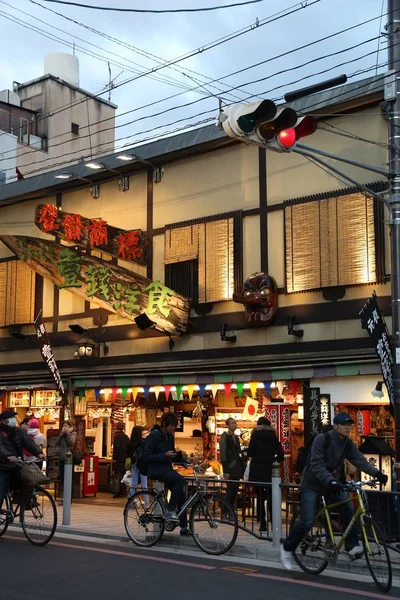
pixel 354 485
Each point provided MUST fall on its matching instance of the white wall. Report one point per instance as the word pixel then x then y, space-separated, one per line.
pixel 8 156
pixel 351 390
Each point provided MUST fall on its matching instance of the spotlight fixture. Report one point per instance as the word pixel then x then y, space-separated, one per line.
pixel 123 184
pixel 377 392
pixel 95 166
pixel 95 191
pixel 290 328
pixel 64 176
pixel 88 344
pixel 227 335
pixel 144 322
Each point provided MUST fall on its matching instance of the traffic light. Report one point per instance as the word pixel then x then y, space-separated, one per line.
pixel 266 124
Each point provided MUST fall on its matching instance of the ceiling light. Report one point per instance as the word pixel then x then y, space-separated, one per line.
pixel 64 176
pixel 94 165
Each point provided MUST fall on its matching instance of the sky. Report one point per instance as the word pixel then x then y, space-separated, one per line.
pixel 170 36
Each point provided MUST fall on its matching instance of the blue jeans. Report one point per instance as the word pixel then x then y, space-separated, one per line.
pixel 310 504
pixel 136 475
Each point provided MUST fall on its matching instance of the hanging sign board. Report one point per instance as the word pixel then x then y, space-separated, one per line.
pixel 112 287
pixel 92 234
pixel 47 354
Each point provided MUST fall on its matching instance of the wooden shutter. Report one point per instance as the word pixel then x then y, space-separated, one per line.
pixel 17 293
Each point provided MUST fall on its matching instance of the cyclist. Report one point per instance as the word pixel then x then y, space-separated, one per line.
pixel 13 441
pixel 324 472
pixel 159 453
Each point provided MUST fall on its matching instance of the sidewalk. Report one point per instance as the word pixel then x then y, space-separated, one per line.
pixel 106 523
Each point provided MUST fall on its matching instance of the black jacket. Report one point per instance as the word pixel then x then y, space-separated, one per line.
pixel 13 443
pixel 231 456
pixel 264 450
pixel 120 447
pixel 326 461
pixel 156 445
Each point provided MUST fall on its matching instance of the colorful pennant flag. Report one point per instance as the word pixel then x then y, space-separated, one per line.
pixel 81 393
pixel 253 388
pixel 202 390
pixel 146 392
pixel 114 393
pixel 124 392
pixel 97 393
pixel 135 392
pixel 179 389
pixel 228 387
pixel 240 387
pixel 190 390
pixel 267 388
pixel 157 390
pixel 167 389
pixel 214 387
pixel 292 385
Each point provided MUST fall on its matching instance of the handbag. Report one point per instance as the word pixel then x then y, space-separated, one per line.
pixel 114 484
pixel 32 475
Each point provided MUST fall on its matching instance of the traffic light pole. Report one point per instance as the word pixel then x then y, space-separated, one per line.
pixel 393 30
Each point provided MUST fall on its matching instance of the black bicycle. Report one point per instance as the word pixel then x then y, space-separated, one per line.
pixel 36 510
pixel 213 522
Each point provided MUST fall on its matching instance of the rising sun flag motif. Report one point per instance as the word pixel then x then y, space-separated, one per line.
pixel 250 411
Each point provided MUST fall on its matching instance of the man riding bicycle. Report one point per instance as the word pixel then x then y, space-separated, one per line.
pixel 13 441
pixel 159 453
pixel 324 472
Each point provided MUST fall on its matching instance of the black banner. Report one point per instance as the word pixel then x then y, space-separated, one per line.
pixel 47 354
pixel 374 322
pixel 312 411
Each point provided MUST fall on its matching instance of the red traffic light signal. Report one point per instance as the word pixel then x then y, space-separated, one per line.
pixel 288 137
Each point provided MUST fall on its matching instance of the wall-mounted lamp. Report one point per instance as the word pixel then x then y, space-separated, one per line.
pixel 95 166
pixel 158 172
pixel 123 184
pixel 227 335
pixel 144 322
pixel 290 328
pixel 377 392
pixel 88 345
pixel 95 191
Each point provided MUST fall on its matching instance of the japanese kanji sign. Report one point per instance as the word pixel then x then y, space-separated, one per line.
pixel 92 234
pixel 373 321
pixel 285 429
pixel 312 411
pixel 47 354
pixel 110 286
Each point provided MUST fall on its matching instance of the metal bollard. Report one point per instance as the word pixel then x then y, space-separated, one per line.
pixel 276 506
pixel 67 491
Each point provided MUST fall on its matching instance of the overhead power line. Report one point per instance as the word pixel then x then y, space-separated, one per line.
pixel 154 11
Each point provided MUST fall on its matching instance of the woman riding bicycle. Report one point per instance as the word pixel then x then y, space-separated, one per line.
pixel 13 441
pixel 325 471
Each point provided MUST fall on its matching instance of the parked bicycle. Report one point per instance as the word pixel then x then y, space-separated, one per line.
pixel 36 510
pixel 213 522
pixel 322 546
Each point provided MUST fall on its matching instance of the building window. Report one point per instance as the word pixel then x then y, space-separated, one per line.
pixel 17 293
pixel 335 240
pixel 23 134
pixel 204 257
pixel 75 128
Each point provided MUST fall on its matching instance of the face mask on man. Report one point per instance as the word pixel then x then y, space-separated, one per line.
pixel 12 421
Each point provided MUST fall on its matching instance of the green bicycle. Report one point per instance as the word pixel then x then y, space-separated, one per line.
pixel 320 545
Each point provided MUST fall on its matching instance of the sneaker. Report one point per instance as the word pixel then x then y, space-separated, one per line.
pixel 356 552
pixel 171 515
pixel 186 531
pixel 286 559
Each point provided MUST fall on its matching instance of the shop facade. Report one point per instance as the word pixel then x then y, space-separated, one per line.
pixel 287 343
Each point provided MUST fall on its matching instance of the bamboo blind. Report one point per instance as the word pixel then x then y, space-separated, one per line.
pixel 17 293
pixel 330 242
pixel 211 243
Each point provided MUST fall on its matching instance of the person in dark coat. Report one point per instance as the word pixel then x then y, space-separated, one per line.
pixel 159 453
pixel 13 441
pixel 264 449
pixel 231 458
pixel 120 454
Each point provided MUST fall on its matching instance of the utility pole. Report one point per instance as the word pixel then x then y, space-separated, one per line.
pixel 393 30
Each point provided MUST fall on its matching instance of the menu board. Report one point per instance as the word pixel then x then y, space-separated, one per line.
pixel 45 398
pixel 52 468
pixel 20 398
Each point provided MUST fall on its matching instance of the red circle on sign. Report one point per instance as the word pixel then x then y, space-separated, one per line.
pixel 252 410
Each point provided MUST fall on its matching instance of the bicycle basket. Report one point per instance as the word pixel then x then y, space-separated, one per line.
pixel 32 475
pixel 201 484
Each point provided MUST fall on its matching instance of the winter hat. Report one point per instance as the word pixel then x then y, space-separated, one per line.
pixel 34 424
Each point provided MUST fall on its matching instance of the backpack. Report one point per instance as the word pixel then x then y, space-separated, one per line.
pixel 304 454
pixel 26 452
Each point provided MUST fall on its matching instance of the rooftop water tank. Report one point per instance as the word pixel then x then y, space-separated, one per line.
pixel 62 65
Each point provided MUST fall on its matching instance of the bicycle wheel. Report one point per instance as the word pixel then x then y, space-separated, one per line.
pixel 376 554
pixel 214 525
pixel 309 554
pixel 38 516
pixel 143 518
pixel 4 522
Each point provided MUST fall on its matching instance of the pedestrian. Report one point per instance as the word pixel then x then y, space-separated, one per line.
pixel 136 449
pixel 159 452
pixel 232 459
pixel 65 441
pixel 120 454
pixel 37 437
pixel 264 449
pixel 25 423
pixel 13 441
pixel 323 473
